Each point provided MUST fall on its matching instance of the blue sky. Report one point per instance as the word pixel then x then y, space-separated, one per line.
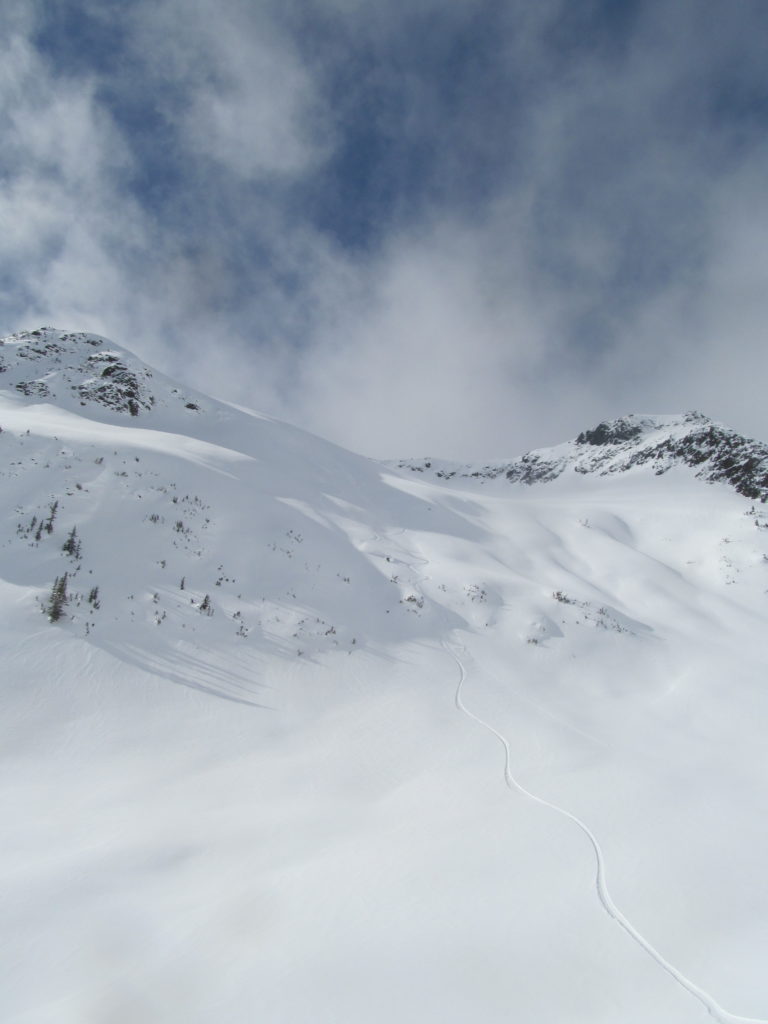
pixel 460 229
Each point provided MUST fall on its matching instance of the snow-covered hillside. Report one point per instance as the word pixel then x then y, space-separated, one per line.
pixel 317 739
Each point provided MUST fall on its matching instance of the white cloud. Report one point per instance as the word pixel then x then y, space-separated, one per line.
pixel 248 103
pixel 428 356
pixel 614 263
pixel 59 198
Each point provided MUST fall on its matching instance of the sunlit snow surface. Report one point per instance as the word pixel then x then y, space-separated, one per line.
pixel 286 811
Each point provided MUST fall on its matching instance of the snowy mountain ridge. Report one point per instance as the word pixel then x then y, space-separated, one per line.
pixel 75 370
pixel 432 743
pixel 717 453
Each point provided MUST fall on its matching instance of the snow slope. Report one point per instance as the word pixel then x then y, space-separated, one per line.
pixel 318 739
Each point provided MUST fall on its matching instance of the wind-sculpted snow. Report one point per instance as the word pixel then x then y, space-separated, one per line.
pixel 716 453
pixel 240 783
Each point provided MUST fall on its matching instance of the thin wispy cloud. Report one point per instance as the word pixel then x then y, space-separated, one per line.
pixel 462 230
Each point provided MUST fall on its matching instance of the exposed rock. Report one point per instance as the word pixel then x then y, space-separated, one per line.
pixel 610 433
pixel 76 369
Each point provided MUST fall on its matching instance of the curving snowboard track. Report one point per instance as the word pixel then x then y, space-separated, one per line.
pixel 714 1009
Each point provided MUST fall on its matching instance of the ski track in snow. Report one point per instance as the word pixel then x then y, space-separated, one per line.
pixel 713 1008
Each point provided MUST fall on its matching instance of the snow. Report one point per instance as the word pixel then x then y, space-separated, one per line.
pixel 445 749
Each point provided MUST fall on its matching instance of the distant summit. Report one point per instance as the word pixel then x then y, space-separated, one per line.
pixel 717 453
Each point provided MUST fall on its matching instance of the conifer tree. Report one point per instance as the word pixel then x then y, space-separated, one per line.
pixel 72 544
pixel 49 521
pixel 58 598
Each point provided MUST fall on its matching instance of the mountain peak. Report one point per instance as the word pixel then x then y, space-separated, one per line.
pixel 715 452
pixel 76 369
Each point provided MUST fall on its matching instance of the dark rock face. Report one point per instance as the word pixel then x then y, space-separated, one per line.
pixel 78 371
pixel 117 387
pixel 33 387
pixel 533 469
pixel 610 433
pixel 52 364
pixel 720 455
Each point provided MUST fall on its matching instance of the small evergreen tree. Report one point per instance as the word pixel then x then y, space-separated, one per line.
pixel 49 522
pixel 72 544
pixel 58 599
